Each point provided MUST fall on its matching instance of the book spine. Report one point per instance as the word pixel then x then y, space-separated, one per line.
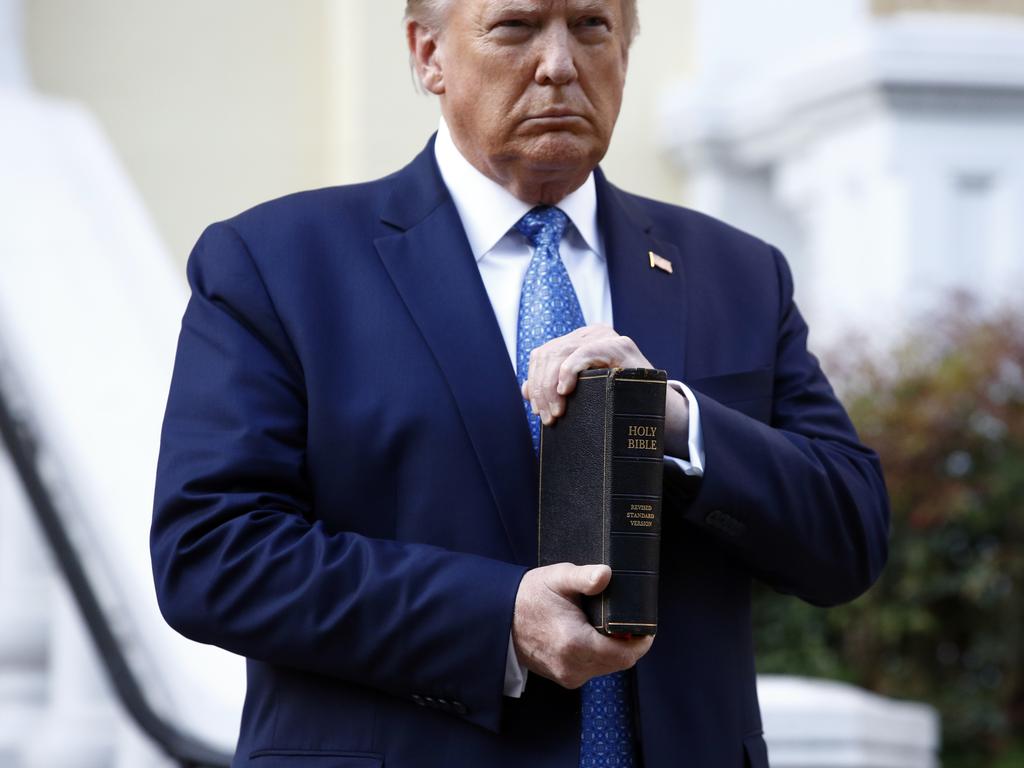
pixel 572 472
pixel 635 434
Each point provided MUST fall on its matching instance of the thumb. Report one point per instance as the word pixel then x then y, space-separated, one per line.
pixel 583 579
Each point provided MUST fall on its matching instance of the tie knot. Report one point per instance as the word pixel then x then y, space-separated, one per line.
pixel 543 226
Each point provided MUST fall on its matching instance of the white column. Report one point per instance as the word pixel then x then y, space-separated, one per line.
pixel 13 70
pixel 78 729
pixel 375 119
pixel 23 617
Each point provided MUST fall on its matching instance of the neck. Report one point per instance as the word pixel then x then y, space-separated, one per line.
pixel 541 191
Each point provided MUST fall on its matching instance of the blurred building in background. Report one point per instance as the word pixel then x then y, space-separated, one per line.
pixel 878 142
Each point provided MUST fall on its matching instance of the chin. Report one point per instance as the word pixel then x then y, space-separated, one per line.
pixel 562 151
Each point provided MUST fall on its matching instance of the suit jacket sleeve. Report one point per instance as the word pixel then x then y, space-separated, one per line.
pixel 799 501
pixel 241 559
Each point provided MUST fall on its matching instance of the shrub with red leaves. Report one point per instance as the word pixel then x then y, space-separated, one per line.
pixel 945 623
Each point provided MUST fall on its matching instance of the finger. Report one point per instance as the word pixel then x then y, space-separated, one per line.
pixel 637 645
pixel 544 369
pixel 584 357
pixel 590 335
pixel 596 579
pixel 568 373
pixel 541 385
pixel 612 654
pixel 531 371
pixel 554 403
pixel 571 580
pixel 608 351
pixel 554 387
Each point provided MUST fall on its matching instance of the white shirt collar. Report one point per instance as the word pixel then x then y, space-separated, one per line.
pixel 488 210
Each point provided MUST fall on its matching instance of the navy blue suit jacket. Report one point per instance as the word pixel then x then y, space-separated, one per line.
pixel 347 495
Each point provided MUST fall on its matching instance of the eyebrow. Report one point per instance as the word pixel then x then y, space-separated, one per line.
pixel 592 6
pixel 518 6
pixel 579 6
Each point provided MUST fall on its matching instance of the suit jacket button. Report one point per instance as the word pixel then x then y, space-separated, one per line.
pixel 444 705
pixel 431 701
pixel 459 708
pixel 419 699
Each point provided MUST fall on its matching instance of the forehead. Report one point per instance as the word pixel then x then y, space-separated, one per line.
pixel 544 7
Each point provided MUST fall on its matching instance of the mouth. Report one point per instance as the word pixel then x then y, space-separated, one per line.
pixel 556 113
pixel 554 118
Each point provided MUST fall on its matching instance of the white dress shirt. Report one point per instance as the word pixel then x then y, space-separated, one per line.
pixel 489 213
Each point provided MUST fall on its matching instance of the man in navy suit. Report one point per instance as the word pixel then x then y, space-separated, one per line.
pixel 347 486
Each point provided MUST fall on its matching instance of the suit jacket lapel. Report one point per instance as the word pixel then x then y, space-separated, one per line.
pixel 649 304
pixel 429 260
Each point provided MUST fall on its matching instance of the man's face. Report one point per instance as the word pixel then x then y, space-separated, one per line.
pixel 531 89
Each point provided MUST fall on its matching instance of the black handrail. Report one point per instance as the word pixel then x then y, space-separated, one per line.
pixel 186 750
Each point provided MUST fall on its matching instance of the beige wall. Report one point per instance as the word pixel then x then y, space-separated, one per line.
pixel 660 55
pixel 377 118
pixel 215 106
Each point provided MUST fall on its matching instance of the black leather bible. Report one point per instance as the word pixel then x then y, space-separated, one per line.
pixel 601 488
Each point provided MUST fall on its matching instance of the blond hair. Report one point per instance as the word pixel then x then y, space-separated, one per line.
pixel 430 13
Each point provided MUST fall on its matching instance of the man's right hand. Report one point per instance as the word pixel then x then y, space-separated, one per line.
pixel 551 634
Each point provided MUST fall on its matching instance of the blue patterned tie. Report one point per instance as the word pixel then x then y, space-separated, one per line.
pixel 549 308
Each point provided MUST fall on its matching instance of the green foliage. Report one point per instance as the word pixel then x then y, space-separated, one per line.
pixel 945 623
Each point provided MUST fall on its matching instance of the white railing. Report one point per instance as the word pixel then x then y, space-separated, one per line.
pixel 825 724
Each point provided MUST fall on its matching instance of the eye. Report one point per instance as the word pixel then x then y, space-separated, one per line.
pixel 511 30
pixel 593 25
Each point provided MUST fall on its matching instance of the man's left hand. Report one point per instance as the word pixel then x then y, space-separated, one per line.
pixel 555 366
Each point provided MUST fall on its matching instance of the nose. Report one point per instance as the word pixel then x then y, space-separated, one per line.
pixel 556 65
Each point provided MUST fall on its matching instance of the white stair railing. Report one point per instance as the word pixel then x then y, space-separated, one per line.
pixel 90 304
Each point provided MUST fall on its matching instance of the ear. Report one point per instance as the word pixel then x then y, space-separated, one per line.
pixel 424 53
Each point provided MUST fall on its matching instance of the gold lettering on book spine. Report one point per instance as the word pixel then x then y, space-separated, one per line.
pixel 642 430
pixel 641 519
pixel 642 437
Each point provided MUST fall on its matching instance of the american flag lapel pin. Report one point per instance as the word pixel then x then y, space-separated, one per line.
pixel 657 262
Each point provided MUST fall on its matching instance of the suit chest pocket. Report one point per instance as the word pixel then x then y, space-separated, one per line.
pixel 749 392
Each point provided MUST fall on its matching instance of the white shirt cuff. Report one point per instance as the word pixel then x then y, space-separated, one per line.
pixel 515 673
pixel 695 437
